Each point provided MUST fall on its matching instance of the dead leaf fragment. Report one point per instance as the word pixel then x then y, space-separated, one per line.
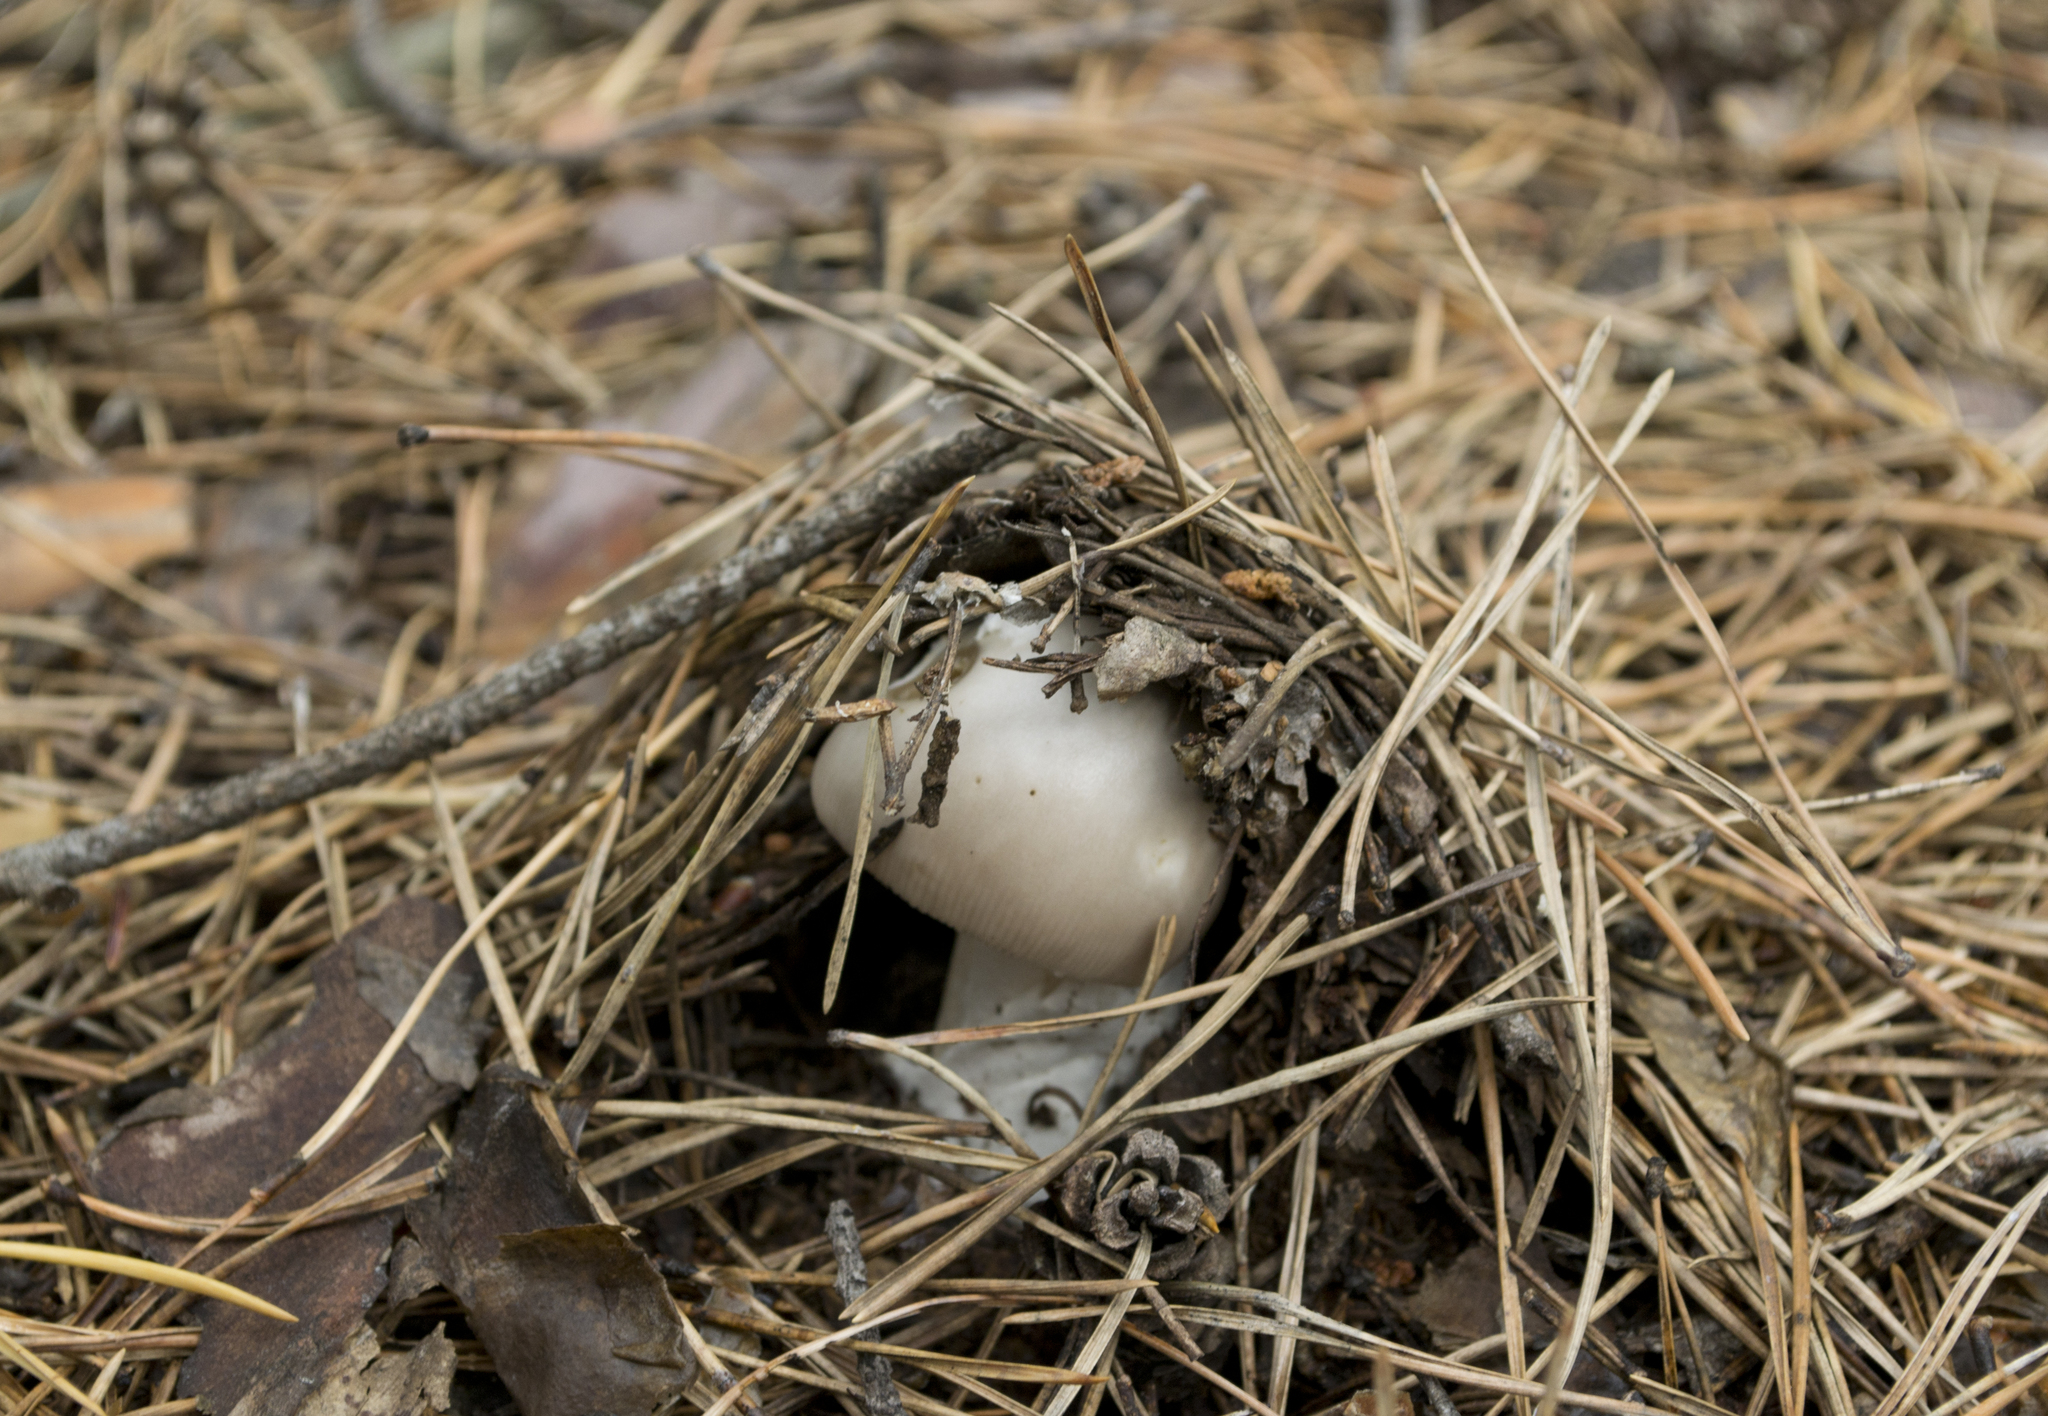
pixel 574 1316
pixel 1143 654
pixel 574 1278
pixel 1113 473
pixel 127 522
pixel 1366 1403
pixel 569 518
pixel 363 1380
pixel 199 1150
pixel 1741 1101
pixel 1459 1301
pixel 1262 585
pixel 412 1271
pixel 446 1036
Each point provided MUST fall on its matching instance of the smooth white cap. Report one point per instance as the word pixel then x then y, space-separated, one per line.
pixel 1064 836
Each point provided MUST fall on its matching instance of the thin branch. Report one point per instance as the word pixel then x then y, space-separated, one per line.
pixel 371 47
pixel 41 871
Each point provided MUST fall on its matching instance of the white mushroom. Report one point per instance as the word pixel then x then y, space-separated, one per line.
pixel 1063 840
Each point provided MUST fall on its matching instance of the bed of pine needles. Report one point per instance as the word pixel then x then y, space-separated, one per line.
pixel 1603 516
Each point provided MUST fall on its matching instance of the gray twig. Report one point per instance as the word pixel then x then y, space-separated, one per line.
pixel 878 1385
pixel 1904 1226
pixel 425 120
pixel 42 870
pixel 1407 20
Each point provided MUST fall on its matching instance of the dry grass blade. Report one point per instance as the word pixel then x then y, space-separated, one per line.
pixel 739 1391
pixel 1945 1328
pixel 365 1084
pixel 1567 820
pixel 1695 964
pixel 486 949
pixel 28 1360
pixel 1293 1252
pixel 965 1089
pixel 1769 1279
pixel 1101 1343
pixel 2017 1385
pixel 936 1361
pixel 1381 1050
pixel 1155 964
pixel 1840 885
pixel 1019 1189
pixel 1801 1316
pixel 1079 365
pixel 1091 296
pixel 422 434
pixel 864 828
pixel 143 1270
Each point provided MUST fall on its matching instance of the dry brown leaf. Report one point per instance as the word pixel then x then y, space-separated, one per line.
pixel 1740 1099
pixel 199 1150
pixel 126 521
pixel 364 1381
pixel 569 519
pixel 573 1314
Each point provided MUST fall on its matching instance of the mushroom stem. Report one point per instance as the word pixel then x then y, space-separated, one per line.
pixel 985 986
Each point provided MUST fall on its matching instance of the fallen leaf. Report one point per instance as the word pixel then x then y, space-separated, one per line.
pixel 730 1295
pixel 364 1380
pixel 446 1038
pixel 1459 1301
pixel 1143 654
pixel 127 522
pixel 1741 1101
pixel 412 1271
pixel 574 1316
pixel 263 569
pixel 569 519
pixel 199 1150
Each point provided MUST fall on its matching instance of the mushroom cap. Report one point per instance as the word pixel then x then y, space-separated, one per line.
pixel 1064 836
